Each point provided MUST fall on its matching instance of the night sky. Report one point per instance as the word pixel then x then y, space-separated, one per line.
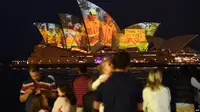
pixel 19 35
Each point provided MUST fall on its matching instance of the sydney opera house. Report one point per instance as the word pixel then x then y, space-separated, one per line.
pixel 89 39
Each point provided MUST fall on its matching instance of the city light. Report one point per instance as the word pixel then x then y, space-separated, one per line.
pixel 144 59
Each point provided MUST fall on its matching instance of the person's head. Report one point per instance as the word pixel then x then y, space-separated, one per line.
pixel 39 101
pixel 42 27
pixel 121 60
pixel 154 80
pixel 77 27
pixel 93 15
pixel 62 90
pixel 107 18
pixel 50 30
pixel 82 70
pixel 70 25
pixel 66 91
pixel 34 73
pixel 57 30
pixel 105 67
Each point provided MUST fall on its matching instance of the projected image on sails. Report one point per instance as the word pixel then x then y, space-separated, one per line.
pixel 52 33
pixel 100 26
pixel 150 27
pixel 74 31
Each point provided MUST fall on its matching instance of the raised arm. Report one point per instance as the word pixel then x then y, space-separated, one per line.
pixel 25 93
pixel 95 84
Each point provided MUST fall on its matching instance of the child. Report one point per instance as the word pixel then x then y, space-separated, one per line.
pixel 66 100
pixel 39 103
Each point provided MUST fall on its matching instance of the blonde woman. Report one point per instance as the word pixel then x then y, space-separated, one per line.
pixel 156 97
pixel 105 69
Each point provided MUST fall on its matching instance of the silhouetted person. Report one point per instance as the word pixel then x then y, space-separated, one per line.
pixel 120 93
pixel 184 92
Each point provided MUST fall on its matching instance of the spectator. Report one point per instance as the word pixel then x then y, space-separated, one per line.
pixel 195 79
pixel 105 69
pixel 156 97
pixel 120 93
pixel 66 101
pixel 80 87
pixel 88 98
pixel 39 103
pixel 184 91
pixel 37 85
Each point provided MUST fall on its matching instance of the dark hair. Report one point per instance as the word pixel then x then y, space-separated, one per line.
pixel 68 93
pixel 83 69
pixel 121 60
pixel 33 68
pixel 37 103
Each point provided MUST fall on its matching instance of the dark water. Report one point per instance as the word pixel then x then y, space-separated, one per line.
pixel 10 89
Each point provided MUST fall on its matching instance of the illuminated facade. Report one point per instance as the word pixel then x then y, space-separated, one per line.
pixel 88 41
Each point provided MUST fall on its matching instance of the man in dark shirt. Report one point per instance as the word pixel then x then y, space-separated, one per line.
pixel 88 100
pixel 120 93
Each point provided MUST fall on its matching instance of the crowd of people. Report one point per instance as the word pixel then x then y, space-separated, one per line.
pixel 115 90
